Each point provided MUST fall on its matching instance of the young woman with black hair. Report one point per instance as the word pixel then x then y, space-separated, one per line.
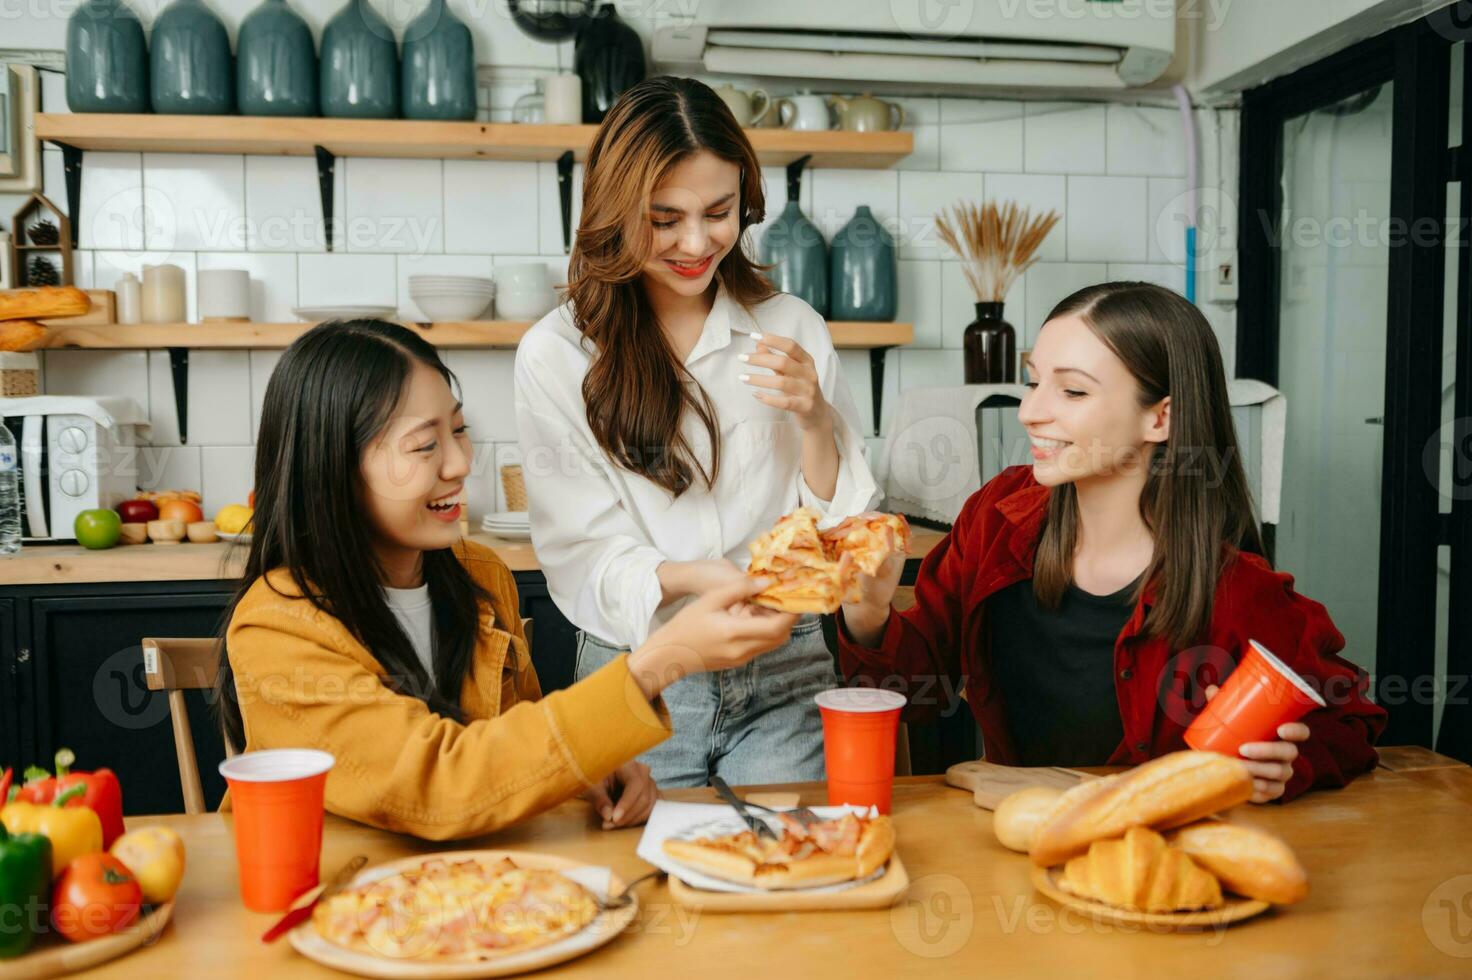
pixel 1085 599
pixel 671 412
pixel 367 627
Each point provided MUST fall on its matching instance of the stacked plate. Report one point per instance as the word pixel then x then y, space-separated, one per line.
pixel 508 524
pixel 450 298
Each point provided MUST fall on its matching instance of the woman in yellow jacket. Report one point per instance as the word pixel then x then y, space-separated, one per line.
pixel 367 627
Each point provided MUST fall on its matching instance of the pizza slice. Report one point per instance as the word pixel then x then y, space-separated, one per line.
pixel 848 848
pixel 816 572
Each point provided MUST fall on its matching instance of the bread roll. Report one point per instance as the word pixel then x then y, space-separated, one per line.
pixel 1140 872
pixel 1171 791
pixel 1250 862
pixel 43 302
pixel 1018 817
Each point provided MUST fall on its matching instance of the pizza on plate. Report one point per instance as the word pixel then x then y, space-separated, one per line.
pixel 848 848
pixel 817 571
pixel 456 911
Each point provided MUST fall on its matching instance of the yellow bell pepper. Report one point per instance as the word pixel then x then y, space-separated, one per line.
pixel 73 831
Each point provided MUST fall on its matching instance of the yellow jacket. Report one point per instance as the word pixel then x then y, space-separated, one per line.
pixel 305 681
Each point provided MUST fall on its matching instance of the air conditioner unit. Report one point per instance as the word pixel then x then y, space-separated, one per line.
pixel 1039 44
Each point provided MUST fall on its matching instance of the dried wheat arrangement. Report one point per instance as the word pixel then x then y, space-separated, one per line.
pixel 995 243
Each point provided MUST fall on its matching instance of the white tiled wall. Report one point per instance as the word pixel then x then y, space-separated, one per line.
pixel 1116 173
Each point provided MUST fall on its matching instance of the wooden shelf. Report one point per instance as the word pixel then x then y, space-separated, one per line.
pixel 285 136
pixel 276 336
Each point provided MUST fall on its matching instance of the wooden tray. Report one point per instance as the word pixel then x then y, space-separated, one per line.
pixel 1236 909
pixel 880 893
pixel 990 783
pixel 51 960
pixel 599 932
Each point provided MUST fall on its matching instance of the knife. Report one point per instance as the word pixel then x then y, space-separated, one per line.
pixel 757 824
pixel 298 915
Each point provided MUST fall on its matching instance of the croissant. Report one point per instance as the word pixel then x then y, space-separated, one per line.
pixel 1140 871
pixel 43 303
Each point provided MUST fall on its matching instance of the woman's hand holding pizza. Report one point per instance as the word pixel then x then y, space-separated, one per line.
pixel 720 629
pixel 793 384
pixel 864 620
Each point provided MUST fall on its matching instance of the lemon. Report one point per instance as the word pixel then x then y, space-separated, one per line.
pixel 233 518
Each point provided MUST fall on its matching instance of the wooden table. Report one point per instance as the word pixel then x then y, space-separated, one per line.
pixel 1389 859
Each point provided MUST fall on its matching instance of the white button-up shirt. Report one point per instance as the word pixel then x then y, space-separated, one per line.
pixel 600 531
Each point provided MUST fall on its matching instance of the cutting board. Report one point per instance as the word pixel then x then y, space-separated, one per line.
pixel 104 310
pixel 990 783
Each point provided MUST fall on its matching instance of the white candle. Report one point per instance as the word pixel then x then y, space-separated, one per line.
pixel 163 294
pixel 564 99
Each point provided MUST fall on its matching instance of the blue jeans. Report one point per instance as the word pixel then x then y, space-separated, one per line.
pixel 756 723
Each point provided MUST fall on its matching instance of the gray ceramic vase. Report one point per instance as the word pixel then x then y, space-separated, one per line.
pixel 191 71
pixel 106 59
pixel 795 249
pixel 275 63
pixel 360 65
pixel 439 66
pixel 865 279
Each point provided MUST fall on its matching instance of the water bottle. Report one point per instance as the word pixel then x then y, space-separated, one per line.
pixel 9 494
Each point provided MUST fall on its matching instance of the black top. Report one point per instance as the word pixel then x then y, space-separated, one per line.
pixel 1055 672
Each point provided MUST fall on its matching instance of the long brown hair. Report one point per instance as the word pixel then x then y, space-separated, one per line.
pixel 1197 525
pixel 636 390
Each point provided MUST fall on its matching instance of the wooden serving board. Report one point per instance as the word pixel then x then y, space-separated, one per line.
pixel 104 311
pixel 1235 910
pixel 990 783
pixel 50 960
pixel 880 893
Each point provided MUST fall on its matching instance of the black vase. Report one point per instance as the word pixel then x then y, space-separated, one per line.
pixel 609 58
pixel 990 347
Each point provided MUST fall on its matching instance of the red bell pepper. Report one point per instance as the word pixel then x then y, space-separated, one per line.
pixel 103 793
pixel 5 778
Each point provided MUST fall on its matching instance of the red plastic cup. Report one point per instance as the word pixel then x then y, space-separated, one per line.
pixel 859 728
pixel 276 796
pixel 1261 694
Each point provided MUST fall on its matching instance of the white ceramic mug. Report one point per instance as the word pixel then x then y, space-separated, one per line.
pixel 563 95
pixel 805 112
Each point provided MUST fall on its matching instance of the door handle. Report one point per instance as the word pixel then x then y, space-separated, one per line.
pixel 1375 420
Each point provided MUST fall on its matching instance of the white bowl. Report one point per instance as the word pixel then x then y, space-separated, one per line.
pixel 450 308
pixel 418 290
pixel 467 281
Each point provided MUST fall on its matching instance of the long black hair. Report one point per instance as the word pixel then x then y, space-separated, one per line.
pixel 330 396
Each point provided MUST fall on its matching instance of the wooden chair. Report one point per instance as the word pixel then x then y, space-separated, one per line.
pixel 176 666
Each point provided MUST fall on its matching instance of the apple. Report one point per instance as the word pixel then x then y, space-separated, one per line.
pixel 138 511
pixel 98 529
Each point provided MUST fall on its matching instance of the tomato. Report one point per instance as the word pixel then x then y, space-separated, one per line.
pixel 95 895
pixel 180 510
pixel 138 511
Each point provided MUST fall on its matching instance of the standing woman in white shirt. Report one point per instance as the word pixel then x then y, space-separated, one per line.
pixel 672 411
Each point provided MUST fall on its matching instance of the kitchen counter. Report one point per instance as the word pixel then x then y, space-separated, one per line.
pixel 74 565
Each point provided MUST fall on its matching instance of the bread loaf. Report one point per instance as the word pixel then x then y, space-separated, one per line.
pixel 1018 817
pixel 1171 791
pixel 46 301
pixel 1139 871
pixel 21 335
pixel 1250 862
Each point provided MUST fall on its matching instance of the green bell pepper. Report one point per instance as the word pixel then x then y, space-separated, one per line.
pixel 25 886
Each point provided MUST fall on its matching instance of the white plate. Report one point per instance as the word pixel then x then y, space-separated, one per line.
pixel 601 930
pixel 508 533
pixel 242 537
pixel 311 314
pixel 690 820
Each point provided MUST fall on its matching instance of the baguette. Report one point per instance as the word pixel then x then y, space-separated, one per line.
pixel 21 335
pixel 1171 791
pixel 43 302
pixel 1250 862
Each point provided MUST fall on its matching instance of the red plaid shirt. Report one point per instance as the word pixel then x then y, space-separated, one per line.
pixel 943 642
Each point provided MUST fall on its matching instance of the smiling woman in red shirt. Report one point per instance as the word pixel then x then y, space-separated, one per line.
pixel 1091 601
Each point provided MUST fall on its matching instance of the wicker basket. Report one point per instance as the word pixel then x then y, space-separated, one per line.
pixel 20 375
pixel 514 486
